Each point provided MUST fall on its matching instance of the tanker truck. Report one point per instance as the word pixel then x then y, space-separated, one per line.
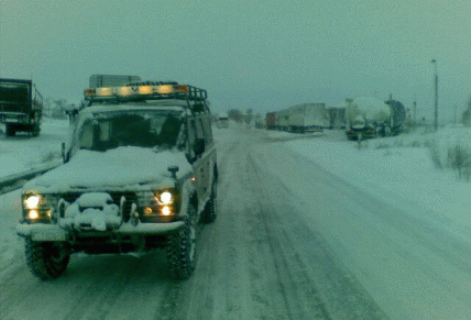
pixel 368 117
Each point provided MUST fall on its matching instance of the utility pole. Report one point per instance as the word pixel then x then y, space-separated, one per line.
pixel 435 123
pixel 415 109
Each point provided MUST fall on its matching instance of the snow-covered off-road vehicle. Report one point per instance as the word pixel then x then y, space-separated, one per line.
pixel 139 173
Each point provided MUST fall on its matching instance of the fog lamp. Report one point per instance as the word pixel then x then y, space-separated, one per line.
pixel 33 215
pixel 166 211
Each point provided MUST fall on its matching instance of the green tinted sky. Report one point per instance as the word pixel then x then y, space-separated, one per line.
pixel 264 55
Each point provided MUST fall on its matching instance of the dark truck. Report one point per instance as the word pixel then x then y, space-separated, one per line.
pixel 21 106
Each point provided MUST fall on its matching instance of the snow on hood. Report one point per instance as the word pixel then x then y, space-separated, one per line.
pixel 120 167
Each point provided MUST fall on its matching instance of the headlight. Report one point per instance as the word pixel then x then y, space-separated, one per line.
pixel 32 202
pixel 37 208
pixel 166 198
pixel 162 205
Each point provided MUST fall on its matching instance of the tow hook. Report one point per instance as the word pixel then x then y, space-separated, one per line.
pixel 173 171
pixel 134 215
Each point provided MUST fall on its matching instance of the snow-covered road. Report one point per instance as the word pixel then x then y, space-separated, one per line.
pixel 260 260
pixel 296 238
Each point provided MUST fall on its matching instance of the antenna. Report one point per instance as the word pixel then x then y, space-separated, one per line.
pixel 0 38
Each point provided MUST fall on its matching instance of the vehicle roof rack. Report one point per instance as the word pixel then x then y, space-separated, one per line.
pixel 148 91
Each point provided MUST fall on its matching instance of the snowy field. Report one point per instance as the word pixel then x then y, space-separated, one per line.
pixel 414 167
pixel 23 152
pixel 412 258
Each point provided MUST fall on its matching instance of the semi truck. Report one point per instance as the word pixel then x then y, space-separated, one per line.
pixel 308 117
pixel 223 120
pixel 282 120
pixel 368 117
pixel 337 115
pixel 270 120
pixel 21 106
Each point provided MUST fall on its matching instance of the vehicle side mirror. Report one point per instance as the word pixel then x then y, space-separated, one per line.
pixel 199 146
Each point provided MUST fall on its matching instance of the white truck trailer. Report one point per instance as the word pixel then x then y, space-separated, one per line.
pixel 308 117
pixel 282 120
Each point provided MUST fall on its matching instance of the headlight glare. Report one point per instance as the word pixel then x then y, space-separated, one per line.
pixel 32 202
pixel 33 215
pixel 166 197
pixel 166 211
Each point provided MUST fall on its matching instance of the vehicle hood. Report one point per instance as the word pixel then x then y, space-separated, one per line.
pixel 121 167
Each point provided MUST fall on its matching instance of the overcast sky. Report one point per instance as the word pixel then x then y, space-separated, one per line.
pixel 265 55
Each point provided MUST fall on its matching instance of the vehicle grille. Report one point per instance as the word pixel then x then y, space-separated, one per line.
pixel 71 197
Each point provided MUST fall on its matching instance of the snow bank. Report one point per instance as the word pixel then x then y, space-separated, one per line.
pixel 403 167
pixel 23 152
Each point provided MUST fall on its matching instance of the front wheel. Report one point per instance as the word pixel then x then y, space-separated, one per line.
pixel 36 131
pixel 181 249
pixel 210 211
pixel 46 260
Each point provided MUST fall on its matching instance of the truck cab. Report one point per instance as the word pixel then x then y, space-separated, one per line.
pixel 21 106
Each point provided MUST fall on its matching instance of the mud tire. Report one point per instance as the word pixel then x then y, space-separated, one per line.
pixel 36 131
pixel 210 210
pixel 182 254
pixel 46 260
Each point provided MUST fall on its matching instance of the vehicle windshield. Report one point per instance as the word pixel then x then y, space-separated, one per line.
pixel 147 129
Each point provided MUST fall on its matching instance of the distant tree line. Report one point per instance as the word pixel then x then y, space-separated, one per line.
pixel 57 109
pixel 239 116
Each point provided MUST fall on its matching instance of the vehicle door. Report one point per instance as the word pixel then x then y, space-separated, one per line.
pixel 202 161
pixel 195 132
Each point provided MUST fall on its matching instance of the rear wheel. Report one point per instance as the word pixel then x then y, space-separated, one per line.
pixel 46 260
pixel 10 130
pixel 181 249
pixel 36 131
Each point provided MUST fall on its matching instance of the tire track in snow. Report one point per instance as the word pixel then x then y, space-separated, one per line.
pixel 401 240
pixel 305 258
pixel 275 290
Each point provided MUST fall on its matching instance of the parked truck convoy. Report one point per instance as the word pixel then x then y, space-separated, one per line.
pixel 371 117
pixel 21 106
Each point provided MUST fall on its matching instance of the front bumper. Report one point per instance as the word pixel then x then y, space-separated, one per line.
pixel 53 232
pixel 14 117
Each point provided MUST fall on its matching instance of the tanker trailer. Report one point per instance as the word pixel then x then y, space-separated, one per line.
pixel 368 117
pixel 399 116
